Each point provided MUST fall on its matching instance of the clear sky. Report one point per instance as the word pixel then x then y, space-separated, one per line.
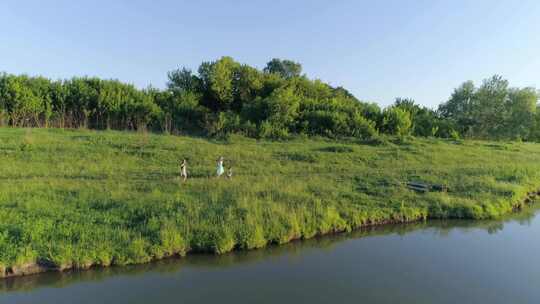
pixel 377 49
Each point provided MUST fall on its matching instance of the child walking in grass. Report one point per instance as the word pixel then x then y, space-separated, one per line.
pixel 183 170
pixel 220 169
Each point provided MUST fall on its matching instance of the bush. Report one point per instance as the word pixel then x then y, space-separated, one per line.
pixel 172 241
pixel 397 121
pixel 225 124
pixel 455 135
pixel 271 131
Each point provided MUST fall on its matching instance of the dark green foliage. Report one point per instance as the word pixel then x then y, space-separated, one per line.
pixel 225 97
pixel 74 103
pixel 493 110
pixel 397 121
pixel 183 80
pixel 535 132
pixel 424 122
pixel 284 68
pixel 222 98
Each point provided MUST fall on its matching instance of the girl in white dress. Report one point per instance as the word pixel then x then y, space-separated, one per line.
pixel 220 169
pixel 183 170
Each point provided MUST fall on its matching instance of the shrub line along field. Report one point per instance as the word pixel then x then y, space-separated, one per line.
pixel 79 198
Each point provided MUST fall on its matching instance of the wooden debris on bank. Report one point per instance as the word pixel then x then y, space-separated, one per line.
pixel 423 187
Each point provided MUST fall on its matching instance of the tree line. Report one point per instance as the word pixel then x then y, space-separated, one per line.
pixel 225 97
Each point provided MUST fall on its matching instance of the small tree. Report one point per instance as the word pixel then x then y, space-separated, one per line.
pixel 397 121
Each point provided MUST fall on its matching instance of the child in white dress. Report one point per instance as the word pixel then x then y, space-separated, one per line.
pixel 220 169
pixel 183 170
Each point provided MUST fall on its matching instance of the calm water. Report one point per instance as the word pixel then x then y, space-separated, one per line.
pixel 435 262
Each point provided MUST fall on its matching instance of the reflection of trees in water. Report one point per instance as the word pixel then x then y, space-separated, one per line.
pixel 294 250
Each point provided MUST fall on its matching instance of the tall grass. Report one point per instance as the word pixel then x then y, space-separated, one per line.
pixel 80 198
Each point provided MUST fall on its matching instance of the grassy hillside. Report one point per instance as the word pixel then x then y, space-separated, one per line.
pixel 82 198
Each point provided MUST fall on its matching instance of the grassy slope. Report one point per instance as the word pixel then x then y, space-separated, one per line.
pixel 77 198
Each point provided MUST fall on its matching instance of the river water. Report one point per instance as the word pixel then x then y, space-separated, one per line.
pixel 432 262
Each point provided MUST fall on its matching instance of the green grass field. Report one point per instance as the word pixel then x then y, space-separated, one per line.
pixel 73 198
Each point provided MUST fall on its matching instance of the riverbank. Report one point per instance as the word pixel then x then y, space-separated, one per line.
pixel 77 199
pixel 389 258
pixel 295 249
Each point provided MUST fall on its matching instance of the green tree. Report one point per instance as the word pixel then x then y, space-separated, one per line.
pixel 285 68
pixel 140 110
pixel 521 108
pixel 491 110
pixel 58 94
pixel 282 108
pixel 21 103
pixel 247 84
pixel 397 121
pixel 460 109
pixel 494 110
pixel 535 132
pixel 217 80
pixel 424 120
pixel 183 80
pixel 407 104
pixel 426 123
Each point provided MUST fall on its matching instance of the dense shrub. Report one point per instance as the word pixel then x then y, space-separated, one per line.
pixel 397 121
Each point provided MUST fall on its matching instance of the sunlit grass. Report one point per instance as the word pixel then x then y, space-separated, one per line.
pixel 81 198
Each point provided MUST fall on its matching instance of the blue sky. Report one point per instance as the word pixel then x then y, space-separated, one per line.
pixel 377 49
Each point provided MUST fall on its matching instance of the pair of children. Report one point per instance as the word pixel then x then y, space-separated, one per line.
pixel 220 169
